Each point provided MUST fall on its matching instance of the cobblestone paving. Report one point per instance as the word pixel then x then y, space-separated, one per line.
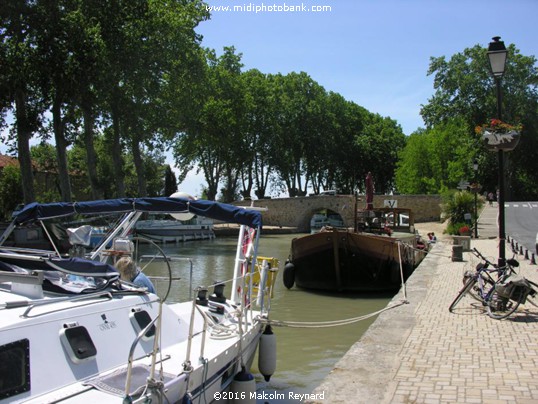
pixel 465 356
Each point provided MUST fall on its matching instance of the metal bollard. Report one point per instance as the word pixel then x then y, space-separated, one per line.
pixel 526 254
pixel 457 253
pixel 533 260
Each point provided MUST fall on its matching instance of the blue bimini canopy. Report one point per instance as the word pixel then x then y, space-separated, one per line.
pixel 213 210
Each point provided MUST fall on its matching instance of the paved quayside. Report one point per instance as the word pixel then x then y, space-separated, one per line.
pixel 421 353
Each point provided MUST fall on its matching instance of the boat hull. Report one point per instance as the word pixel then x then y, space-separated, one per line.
pixel 166 231
pixel 111 320
pixel 340 260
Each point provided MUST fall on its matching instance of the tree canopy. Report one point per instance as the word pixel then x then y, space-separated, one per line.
pixel 118 84
pixel 441 155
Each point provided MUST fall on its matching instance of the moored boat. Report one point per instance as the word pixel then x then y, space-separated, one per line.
pixel 71 330
pixel 173 231
pixel 342 260
pixel 379 254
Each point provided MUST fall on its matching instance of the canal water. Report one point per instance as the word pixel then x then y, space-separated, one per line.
pixel 304 355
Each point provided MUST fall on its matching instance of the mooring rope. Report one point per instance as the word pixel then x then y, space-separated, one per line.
pixel 325 324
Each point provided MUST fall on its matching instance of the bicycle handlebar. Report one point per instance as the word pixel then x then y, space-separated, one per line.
pixel 510 263
pixel 479 255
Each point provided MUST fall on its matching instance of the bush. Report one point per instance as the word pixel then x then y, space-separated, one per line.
pixel 10 191
pixel 454 207
pixel 454 228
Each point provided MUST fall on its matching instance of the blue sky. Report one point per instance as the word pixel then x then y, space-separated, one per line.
pixel 375 53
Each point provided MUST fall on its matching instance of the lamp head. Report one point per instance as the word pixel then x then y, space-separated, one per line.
pixel 497 56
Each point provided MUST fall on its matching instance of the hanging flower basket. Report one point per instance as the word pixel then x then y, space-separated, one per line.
pixel 498 135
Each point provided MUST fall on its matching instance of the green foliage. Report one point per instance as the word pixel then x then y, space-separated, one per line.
pixel 48 196
pixel 464 88
pixel 44 157
pixel 135 74
pixel 380 144
pixel 437 158
pixel 454 228
pixel 106 62
pixel 10 190
pixel 454 207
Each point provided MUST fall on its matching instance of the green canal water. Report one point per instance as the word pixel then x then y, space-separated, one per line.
pixel 304 355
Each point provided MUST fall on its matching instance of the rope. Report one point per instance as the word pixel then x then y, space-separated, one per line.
pixel 401 271
pixel 326 324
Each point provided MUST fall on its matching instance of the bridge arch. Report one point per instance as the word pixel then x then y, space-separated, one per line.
pixel 297 212
pixel 329 215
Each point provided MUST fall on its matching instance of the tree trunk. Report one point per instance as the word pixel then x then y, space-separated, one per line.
pixel 91 157
pixel 23 145
pixel 139 167
pixel 116 157
pixel 61 150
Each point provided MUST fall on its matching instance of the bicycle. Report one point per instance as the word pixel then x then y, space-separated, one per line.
pixel 502 296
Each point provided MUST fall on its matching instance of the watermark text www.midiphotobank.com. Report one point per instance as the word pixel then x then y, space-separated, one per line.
pixel 238 6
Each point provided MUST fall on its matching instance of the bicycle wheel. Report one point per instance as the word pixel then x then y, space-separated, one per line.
pixel 500 307
pixel 466 289
pixel 533 299
pixel 475 293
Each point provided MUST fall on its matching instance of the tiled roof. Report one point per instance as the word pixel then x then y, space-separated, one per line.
pixel 6 161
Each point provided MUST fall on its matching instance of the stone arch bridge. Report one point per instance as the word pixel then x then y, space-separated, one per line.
pixel 297 212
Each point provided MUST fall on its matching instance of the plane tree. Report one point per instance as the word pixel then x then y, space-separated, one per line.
pixel 19 83
pixel 212 142
pixel 436 159
pixel 295 129
pixel 347 155
pixel 256 167
pixel 379 143
pixel 464 88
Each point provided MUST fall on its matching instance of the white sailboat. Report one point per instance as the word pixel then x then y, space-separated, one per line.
pixel 72 331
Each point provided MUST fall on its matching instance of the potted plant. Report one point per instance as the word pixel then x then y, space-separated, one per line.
pixel 464 231
pixel 499 135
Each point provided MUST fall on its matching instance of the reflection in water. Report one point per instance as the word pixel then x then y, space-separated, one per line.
pixel 304 355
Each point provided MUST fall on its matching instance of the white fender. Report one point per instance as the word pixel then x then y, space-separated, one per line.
pixel 267 353
pixel 243 388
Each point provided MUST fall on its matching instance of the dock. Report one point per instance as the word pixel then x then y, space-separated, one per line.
pixel 419 352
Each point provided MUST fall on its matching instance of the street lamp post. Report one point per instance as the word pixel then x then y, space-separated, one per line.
pixel 475 168
pixel 497 59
